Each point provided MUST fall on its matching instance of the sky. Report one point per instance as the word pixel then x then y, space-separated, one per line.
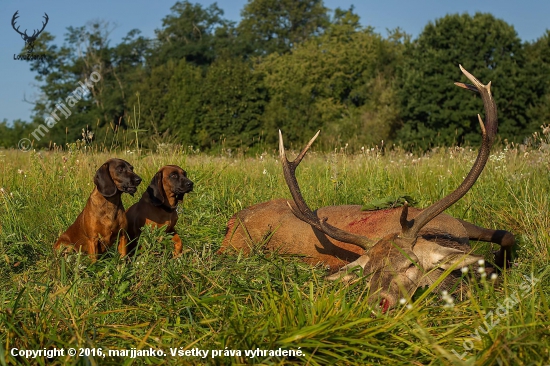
pixel 530 18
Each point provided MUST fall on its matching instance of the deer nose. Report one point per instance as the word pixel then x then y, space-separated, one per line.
pixel 384 304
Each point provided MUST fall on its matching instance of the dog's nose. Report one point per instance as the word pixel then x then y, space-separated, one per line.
pixel 137 180
pixel 189 184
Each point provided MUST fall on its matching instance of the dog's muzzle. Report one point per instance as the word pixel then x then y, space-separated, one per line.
pixel 186 187
pixel 131 189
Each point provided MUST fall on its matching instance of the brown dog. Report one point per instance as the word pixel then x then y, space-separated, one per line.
pixel 103 219
pixel 157 206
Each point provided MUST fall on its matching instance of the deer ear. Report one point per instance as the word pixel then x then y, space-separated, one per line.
pixel 103 181
pixel 433 255
pixel 156 190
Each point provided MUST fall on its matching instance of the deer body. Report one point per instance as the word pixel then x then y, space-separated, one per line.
pixel 274 225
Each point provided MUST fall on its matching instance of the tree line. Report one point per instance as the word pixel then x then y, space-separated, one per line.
pixel 295 65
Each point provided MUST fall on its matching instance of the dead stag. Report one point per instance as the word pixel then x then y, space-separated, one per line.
pixel 415 248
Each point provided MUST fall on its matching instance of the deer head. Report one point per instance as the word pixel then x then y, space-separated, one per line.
pixel 29 40
pixel 401 261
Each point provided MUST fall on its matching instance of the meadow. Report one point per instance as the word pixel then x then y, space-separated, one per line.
pixel 227 304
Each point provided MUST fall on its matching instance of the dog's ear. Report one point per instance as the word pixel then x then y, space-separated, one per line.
pixel 156 190
pixel 104 183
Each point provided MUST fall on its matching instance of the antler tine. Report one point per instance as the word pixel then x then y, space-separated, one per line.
pixel 303 211
pixel 302 153
pixel 13 19
pixel 37 32
pixel 488 130
pixel 44 23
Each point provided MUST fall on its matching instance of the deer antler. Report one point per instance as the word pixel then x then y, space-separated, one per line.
pixel 35 33
pixel 13 19
pixel 43 25
pixel 303 212
pixel 411 228
pixel 392 261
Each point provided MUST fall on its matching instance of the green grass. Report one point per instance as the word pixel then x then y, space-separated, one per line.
pixel 227 302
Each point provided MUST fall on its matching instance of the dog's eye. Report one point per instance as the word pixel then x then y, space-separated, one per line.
pixel 120 169
pixel 173 175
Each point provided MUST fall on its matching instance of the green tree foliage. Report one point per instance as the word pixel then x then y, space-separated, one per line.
pixel 434 111
pixel 193 33
pixel 339 81
pixel 234 99
pixel 11 134
pixel 207 83
pixel 184 101
pixel 538 56
pixel 276 26
pixel 67 68
pixel 150 98
pixel 186 104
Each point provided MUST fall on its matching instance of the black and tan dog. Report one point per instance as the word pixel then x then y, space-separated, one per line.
pixel 103 220
pixel 157 206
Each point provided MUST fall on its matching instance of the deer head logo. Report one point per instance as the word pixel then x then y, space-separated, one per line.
pixel 29 40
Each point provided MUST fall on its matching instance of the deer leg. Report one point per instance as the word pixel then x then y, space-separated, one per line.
pixel 505 239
